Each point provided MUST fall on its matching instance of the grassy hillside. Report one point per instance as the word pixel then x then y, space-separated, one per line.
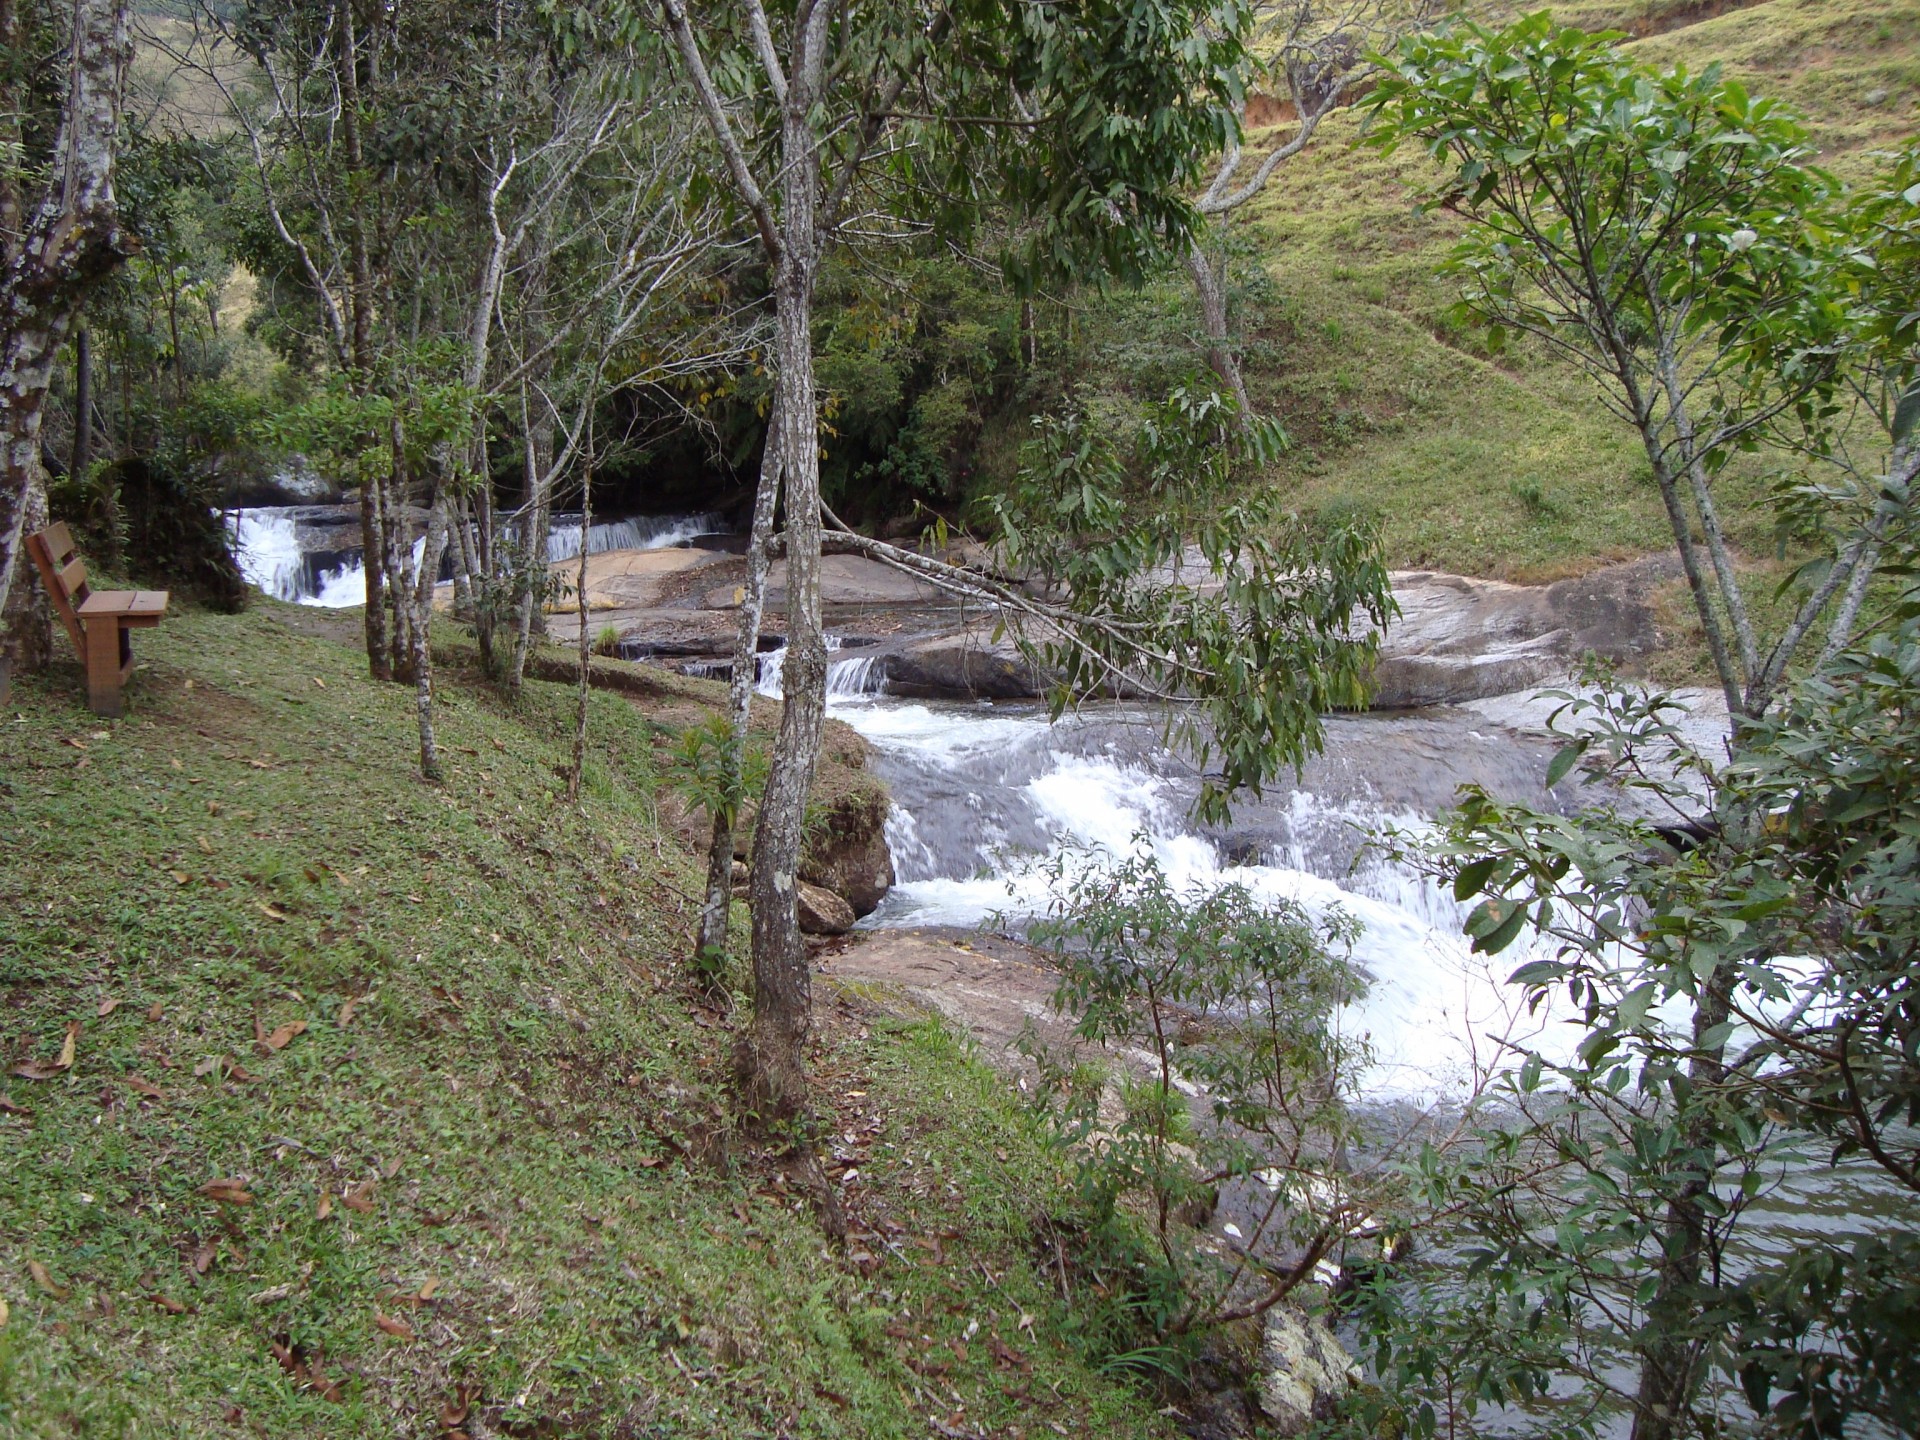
pixel 372 1108
pixel 1508 469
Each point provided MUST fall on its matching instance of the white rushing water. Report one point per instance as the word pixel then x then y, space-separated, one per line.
pixel 311 555
pixel 983 794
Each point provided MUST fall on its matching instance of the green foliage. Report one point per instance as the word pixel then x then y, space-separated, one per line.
pixel 714 770
pixel 1745 993
pixel 1183 592
pixel 1227 993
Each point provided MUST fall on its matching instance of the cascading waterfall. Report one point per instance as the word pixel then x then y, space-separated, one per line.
pixel 864 675
pixel 311 555
pixel 983 795
pixel 640 532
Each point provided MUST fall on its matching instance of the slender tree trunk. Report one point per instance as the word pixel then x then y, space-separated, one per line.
pixel 586 641
pixel 373 555
pixel 711 944
pixel 1210 286
pixel 82 455
pixel 422 632
pixel 393 495
pixel 1670 1368
pixel 782 985
pixel 539 442
pixel 73 240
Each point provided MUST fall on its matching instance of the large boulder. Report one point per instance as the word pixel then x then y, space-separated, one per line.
pixel 1304 1372
pixel 1458 639
pixel 848 853
pixel 822 912
pixel 967 665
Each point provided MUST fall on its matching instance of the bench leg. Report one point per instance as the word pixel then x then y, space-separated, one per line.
pixel 103 669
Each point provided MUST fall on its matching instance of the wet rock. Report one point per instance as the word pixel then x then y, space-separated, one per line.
pixel 968 665
pixel 1304 1372
pixel 849 855
pixel 1458 639
pixel 822 912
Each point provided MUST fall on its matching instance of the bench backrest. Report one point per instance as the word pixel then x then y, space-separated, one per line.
pixel 64 574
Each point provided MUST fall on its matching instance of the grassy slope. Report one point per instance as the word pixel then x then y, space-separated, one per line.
pixel 1508 470
pixel 533 1097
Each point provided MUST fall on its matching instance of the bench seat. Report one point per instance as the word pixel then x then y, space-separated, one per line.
pixel 97 621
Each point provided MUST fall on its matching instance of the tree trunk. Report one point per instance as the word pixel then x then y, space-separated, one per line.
pixel 373 552
pixel 1210 286
pixel 73 241
pixel 82 455
pixel 586 643
pixel 539 442
pixel 1670 1356
pixel 782 986
pixel 711 944
pixel 422 628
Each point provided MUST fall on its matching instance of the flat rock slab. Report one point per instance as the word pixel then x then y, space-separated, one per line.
pixel 989 988
pixel 844 580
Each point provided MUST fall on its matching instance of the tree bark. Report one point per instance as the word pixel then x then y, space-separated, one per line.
pixel 1209 285
pixel 422 635
pixel 82 455
pixel 73 241
pixel 711 943
pixel 1670 1368
pixel 586 640
pixel 782 984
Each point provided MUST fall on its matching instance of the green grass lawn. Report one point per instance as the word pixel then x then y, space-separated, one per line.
pixel 388 1104
pixel 1511 469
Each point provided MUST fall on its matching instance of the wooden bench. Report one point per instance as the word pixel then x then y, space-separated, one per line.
pixel 97 621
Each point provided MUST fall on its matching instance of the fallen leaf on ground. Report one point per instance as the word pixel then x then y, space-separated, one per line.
pixel 325 1207
pixel 360 1197
pixel 318 681
pixel 47 1069
pixel 108 1006
pixel 227 1192
pixel 203 1257
pixel 76 744
pixel 180 877
pixel 272 912
pixel 156 1010
pixel 391 1168
pixel 7 1107
pixel 3 1310
pixel 206 1066
pixel 166 1303
pixel 399 1329
pixel 151 1091
pixel 453 1410
pixel 284 1033
pixel 293 1360
pixel 347 1009
pixel 45 1281
pixel 205 844
pixel 269 1295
